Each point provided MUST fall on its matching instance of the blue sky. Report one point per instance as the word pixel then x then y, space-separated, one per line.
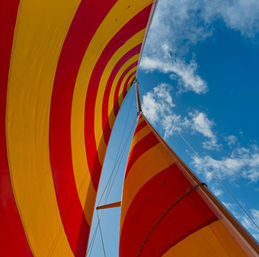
pixel 199 82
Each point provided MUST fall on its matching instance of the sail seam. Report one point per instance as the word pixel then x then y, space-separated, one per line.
pixel 165 212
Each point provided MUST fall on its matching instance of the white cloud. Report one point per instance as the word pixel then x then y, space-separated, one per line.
pixel 158 102
pixel 179 24
pixel 216 191
pixel 230 207
pixel 203 125
pixel 255 214
pixel 158 108
pixel 248 224
pixel 185 74
pixel 241 15
pixel 231 140
pixel 242 162
pixel 186 22
pixel 175 24
pixel 211 145
pixel 243 219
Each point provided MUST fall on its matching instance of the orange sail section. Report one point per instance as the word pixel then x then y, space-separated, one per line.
pixel 65 68
pixel 166 211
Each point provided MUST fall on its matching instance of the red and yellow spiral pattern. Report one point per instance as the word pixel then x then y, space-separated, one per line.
pixel 65 68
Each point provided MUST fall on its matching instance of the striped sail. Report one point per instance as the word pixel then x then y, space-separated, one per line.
pixel 65 68
pixel 166 211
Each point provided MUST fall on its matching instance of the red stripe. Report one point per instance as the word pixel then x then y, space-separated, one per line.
pixel 117 105
pixel 13 241
pixel 140 126
pixel 82 29
pixel 115 99
pixel 136 24
pixel 119 64
pixel 154 198
pixel 140 148
pixel 121 79
pixel 125 90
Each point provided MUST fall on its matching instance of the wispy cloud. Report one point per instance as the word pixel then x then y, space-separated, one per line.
pixel 255 214
pixel 203 125
pixel 216 191
pixel 231 140
pixel 243 219
pixel 242 162
pixel 157 102
pixel 186 74
pixel 158 108
pixel 175 24
pixel 180 24
pixel 241 15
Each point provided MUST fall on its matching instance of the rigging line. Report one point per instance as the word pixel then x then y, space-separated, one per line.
pixel 114 169
pixel 100 229
pixel 165 212
pixel 117 163
pixel 118 156
pixel 188 144
pixel 90 248
pixel 222 184
pixel 124 148
pixel 237 202
pixel 121 151
pixel 128 112
pixel 55 241
pixel 114 166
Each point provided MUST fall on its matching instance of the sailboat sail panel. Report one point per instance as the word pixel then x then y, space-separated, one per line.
pixel 167 212
pixel 65 69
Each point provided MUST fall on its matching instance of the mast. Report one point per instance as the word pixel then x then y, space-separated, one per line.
pixel 138 97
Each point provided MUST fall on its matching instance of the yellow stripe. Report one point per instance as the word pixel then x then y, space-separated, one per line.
pixel 131 43
pixel 140 135
pixel 114 85
pixel 112 115
pixel 140 120
pixel 39 35
pixel 152 167
pixel 130 83
pixel 119 15
pixel 120 97
pixel 210 241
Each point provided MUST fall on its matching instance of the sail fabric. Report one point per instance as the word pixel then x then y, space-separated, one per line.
pixel 65 68
pixel 166 211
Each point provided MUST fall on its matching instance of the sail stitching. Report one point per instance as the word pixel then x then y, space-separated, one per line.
pixel 165 212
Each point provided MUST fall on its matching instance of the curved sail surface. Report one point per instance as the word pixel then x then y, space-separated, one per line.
pixel 65 69
pixel 166 211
